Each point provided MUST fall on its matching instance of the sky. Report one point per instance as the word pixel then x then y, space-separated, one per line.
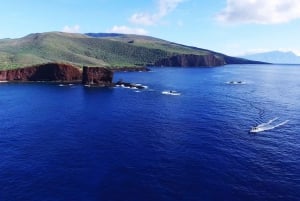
pixel 233 27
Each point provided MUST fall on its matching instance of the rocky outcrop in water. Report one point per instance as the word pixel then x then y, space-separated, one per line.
pixel 190 60
pixel 97 76
pixel 123 84
pixel 45 72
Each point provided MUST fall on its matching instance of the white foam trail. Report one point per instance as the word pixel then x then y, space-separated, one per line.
pixel 268 123
pixel 281 124
pixel 267 126
pixel 173 93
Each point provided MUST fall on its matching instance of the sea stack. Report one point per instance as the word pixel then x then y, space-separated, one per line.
pixel 97 76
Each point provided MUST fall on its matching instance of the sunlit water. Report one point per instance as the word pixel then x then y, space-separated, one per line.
pixel 74 143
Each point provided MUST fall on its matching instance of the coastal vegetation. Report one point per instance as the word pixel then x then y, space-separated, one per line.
pixel 107 50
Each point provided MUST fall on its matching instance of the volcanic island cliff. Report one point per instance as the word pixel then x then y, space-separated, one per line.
pixel 208 60
pixel 59 72
pixel 190 60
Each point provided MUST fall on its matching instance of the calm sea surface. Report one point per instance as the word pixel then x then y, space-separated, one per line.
pixel 71 143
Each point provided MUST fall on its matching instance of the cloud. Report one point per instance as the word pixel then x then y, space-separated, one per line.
pixel 128 30
pixel 143 19
pixel 259 11
pixel 74 29
pixel 164 7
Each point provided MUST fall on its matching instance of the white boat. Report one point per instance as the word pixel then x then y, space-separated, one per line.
pixel 256 129
pixel 172 93
pixel 236 82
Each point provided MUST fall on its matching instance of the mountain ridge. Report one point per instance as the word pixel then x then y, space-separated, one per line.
pixel 97 49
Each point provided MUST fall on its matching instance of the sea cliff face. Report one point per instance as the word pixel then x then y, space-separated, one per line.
pixel 58 72
pixel 98 76
pixel 44 72
pixel 190 60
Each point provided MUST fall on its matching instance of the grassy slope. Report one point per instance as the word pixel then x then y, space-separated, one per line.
pixel 117 50
pixel 79 49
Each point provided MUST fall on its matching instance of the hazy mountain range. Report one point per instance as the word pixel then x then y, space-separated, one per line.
pixel 276 57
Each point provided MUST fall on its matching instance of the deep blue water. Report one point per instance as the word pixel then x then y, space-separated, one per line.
pixel 88 144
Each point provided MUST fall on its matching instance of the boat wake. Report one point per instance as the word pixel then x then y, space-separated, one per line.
pixel 172 93
pixel 267 126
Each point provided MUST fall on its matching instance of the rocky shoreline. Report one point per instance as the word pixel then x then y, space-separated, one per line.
pixel 59 73
pixel 68 74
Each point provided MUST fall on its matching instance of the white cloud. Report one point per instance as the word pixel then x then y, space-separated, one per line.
pixel 260 11
pixel 143 19
pixel 128 30
pixel 164 7
pixel 296 51
pixel 70 29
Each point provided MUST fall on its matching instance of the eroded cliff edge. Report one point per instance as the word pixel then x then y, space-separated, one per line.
pixel 45 72
pixel 59 72
pixel 191 60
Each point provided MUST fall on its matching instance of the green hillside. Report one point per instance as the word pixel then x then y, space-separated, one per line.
pixel 80 49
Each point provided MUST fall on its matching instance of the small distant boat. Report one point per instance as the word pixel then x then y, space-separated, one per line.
pixel 236 82
pixel 267 126
pixel 173 93
pixel 256 129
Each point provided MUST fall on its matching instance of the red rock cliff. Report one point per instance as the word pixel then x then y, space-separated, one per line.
pixel 190 60
pixel 98 76
pixel 43 72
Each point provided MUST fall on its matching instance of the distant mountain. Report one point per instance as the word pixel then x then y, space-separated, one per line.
pixel 104 49
pixel 278 57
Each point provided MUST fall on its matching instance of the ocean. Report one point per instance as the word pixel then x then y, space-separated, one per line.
pixel 75 143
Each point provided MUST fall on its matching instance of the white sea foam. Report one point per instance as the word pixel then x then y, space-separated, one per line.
pixel 172 93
